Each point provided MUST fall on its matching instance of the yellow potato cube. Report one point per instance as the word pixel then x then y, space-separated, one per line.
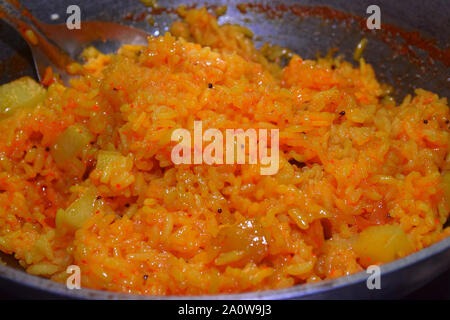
pixel 21 93
pixel 381 244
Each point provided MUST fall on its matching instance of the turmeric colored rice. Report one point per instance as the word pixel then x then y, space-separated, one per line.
pixel 86 176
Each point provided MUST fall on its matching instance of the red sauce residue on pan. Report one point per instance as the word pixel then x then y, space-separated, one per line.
pixel 388 33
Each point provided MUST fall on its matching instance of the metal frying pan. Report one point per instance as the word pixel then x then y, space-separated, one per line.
pixel 400 56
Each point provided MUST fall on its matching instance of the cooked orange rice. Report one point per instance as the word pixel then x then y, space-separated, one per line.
pixel 86 176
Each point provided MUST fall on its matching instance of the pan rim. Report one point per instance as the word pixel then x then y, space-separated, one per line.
pixel 297 291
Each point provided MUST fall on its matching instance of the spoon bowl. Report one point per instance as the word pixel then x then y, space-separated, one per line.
pixel 57 46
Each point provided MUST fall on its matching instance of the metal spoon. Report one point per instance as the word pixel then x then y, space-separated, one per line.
pixel 57 46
